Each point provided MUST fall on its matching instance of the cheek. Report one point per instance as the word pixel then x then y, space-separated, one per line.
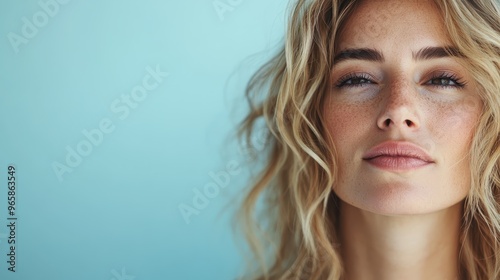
pixel 346 125
pixel 451 126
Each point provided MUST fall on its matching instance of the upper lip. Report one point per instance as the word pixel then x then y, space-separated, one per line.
pixel 398 149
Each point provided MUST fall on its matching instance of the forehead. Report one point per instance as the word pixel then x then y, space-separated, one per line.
pixel 376 23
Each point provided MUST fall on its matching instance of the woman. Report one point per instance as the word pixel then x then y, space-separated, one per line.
pixel 383 152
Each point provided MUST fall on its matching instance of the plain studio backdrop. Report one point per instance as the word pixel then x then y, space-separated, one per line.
pixel 115 117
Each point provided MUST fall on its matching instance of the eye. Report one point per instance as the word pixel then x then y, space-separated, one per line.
pixel 354 80
pixel 446 81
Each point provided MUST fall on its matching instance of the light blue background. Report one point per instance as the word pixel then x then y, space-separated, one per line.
pixel 116 214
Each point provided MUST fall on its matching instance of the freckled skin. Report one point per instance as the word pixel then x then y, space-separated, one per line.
pixel 400 106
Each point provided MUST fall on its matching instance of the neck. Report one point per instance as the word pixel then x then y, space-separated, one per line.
pixel 424 246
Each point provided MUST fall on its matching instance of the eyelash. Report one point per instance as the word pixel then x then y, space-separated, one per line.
pixel 344 80
pixel 452 78
pixel 458 83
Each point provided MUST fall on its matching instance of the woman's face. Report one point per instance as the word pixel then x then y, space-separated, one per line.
pixel 400 111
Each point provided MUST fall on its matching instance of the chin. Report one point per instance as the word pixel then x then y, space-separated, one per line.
pixel 400 198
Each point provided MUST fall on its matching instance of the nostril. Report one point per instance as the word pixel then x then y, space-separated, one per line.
pixel 387 122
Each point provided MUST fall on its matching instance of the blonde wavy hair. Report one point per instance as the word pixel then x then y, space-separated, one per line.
pixel 289 215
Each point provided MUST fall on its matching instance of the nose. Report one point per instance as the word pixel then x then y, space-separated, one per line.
pixel 399 108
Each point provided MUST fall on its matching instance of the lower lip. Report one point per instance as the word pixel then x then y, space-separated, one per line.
pixel 397 163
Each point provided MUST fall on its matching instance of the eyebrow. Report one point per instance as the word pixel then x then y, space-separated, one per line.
pixel 376 56
pixel 436 52
pixel 359 54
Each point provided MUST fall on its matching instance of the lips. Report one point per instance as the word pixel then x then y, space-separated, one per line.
pixel 397 156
